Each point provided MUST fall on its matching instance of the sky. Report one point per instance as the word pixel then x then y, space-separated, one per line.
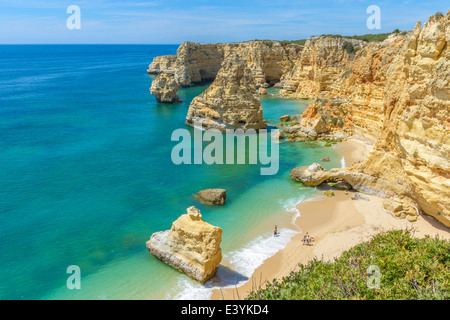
pixel 207 21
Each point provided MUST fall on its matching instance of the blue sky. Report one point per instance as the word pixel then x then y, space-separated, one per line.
pixel 175 21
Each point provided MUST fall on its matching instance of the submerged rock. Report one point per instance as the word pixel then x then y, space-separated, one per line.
pixel 191 246
pixel 212 196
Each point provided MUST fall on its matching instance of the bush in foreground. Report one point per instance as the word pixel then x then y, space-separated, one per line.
pixel 410 268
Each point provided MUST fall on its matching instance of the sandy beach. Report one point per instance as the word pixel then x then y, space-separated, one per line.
pixel 337 224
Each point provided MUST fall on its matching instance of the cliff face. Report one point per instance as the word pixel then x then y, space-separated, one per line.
pixel 267 60
pixel 353 103
pixel 414 142
pixel 396 94
pixel 162 64
pixel 231 101
pixel 191 246
pixel 196 62
pixel 321 62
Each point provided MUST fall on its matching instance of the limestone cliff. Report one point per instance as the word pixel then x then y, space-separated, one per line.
pixel 267 60
pixel 164 88
pixel 231 101
pixel 162 64
pixel 414 142
pixel 191 246
pixel 348 89
pixel 397 94
pixel 394 94
pixel 198 62
pixel 322 61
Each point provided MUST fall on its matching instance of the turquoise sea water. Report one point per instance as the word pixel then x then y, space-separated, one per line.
pixel 87 177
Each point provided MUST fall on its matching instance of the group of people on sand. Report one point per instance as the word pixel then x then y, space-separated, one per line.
pixel 307 239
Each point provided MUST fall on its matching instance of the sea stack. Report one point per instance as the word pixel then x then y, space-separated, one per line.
pixel 164 88
pixel 231 102
pixel 191 246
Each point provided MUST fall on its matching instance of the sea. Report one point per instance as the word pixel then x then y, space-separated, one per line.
pixel 87 177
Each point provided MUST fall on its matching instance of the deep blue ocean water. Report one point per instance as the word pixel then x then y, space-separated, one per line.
pixel 87 177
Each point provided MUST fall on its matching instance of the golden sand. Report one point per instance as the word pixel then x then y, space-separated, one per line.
pixel 336 224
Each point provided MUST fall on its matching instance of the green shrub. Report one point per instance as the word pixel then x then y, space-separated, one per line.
pixel 301 42
pixel 348 46
pixel 410 268
pixel 268 43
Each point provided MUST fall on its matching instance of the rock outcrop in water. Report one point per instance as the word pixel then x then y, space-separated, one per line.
pixel 231 101
pixel 213 196
pixel 191 246
pixel 164 88
pixel 198 62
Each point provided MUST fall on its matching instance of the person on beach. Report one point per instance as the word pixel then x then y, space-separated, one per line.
pixel 275 232
pixel 304 240
pixel 307 239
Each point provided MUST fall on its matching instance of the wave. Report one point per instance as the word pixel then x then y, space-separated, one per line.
pixel 290 205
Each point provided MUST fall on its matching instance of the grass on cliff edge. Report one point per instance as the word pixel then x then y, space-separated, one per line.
pixel 371 37
pixel 410 268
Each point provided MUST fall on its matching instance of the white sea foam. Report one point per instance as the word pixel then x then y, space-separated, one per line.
pixel 290 205
pixel 238 266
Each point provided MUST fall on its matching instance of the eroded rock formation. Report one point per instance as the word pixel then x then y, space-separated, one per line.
pixel 198 62
pixel 397 95
pixel 322 61
pixel 162 64
pixel 164 88
pixel 191 246
pixel 231 101
pixel 414 142
pixel 394 94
